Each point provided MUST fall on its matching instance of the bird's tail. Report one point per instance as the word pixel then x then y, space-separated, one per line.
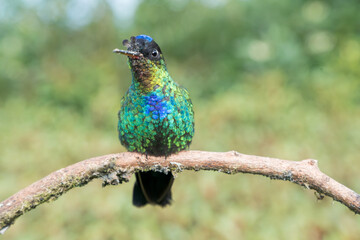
pixel 152 187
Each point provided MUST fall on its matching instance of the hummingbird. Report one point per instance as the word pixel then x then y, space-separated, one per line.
pixel 156 117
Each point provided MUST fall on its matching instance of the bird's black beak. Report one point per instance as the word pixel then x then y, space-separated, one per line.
pixel 131 54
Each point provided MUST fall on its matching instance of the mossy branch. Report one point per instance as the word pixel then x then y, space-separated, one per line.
pixel 118 168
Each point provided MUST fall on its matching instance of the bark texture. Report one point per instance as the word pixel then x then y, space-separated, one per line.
pixel 118 168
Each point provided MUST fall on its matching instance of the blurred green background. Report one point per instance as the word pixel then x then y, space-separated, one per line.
pixel 274 78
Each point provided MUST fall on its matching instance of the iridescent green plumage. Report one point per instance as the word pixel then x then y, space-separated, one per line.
pixel 156 116
pixel 156 123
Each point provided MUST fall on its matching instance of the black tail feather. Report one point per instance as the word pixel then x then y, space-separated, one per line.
pixel 152 187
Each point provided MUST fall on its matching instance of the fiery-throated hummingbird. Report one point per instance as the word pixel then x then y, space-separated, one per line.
pixel 156 117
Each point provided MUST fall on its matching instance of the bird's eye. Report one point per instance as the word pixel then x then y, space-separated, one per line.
pixel 154 53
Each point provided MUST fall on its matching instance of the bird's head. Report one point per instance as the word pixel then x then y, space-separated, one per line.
pixel 145 59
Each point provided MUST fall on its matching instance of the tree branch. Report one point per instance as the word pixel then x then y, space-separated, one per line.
pixel 118 168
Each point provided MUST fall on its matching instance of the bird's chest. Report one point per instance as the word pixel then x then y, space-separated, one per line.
pixel 158 114
pixel 154 123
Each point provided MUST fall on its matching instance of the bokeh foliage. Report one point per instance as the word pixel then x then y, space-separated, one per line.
pixel 274 78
